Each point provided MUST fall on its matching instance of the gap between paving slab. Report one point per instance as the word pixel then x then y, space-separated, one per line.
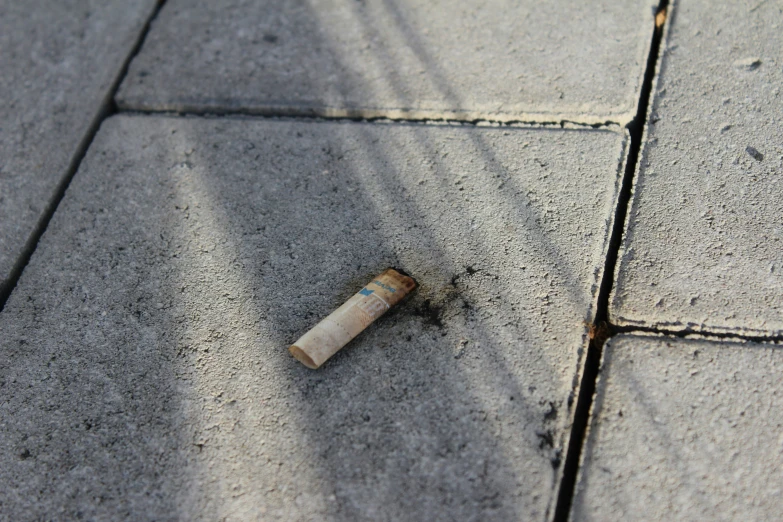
pixel 384 119
pixel 600 329
pixel 606 330
pixel 691 334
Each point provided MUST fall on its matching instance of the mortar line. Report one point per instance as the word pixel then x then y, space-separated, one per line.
pixel 600 330
pixel 305 115
pixel 694 334
pixel 106 108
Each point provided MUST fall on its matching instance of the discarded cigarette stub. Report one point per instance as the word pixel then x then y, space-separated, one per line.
pixel 338 328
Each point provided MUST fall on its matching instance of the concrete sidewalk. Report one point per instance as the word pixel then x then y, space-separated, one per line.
pixel 456 406
pixel 489 150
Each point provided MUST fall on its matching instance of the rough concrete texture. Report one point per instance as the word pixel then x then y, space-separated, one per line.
pixel 704 247
pixel 465 59
pixel 145 371
pixel 58 61
pixel 684 430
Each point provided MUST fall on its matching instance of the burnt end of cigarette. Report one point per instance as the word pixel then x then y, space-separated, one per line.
pixel 335 331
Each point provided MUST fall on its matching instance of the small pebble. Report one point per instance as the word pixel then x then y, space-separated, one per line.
pixel 756 155
pixel 749 64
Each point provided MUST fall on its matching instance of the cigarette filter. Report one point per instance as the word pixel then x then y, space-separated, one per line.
pixel 338 328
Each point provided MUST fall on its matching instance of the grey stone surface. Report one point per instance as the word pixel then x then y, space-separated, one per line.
pixel 145 371
pixel 704 245
pixel 504 60
pixel 58 61
pixel 684 430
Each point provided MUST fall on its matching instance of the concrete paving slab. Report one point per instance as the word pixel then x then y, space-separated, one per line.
pixel 58 62
pixel 704 245
pixel 145 371
pixel 684 430
pixel 466 59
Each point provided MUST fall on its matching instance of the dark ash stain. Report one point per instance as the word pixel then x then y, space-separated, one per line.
pixel 556 459
pixel 431 313
pixel 546 439
pixel 469 270
pixel 551 413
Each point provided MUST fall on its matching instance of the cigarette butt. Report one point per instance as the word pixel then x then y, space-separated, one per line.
pixel 335 331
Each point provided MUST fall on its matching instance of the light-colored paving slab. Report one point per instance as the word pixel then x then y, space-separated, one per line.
pixel 684 430
pixel 704 247
pixel 58 62
pixel 466 59
pixel 145 371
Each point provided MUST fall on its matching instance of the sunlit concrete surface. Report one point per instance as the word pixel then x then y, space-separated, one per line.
pixel 58 61
pixel 684 430
pixel 704 245
pixel 259 162
pixel 499 60
pixel 145 372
